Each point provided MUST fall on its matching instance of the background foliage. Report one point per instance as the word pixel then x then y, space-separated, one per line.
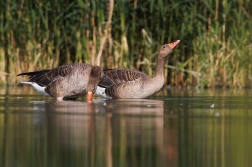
pixel 215 36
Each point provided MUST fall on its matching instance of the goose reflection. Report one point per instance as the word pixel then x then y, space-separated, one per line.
pixel 130 106
pixel 106 125
pixel 127 106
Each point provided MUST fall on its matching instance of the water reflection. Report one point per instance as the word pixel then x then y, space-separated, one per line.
pixel 70 133
pixel 110 132
pixel 169 131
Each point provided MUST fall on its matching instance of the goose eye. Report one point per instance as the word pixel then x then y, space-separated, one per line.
pixel 164 46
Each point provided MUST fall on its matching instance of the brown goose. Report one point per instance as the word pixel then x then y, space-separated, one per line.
pixel 122 83
pixel 66 81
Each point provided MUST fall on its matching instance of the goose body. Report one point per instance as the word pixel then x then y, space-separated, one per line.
pixel 123 83
pixel 66 81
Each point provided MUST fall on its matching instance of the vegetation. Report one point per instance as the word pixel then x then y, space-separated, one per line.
pixel 215 36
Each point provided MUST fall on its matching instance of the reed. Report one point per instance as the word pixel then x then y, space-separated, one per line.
pixel 215 47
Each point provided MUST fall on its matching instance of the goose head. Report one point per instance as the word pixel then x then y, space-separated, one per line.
pixel 94 78
pixel 167 49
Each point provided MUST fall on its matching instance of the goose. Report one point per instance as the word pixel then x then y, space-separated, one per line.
pixel 121 83
pixel 66 82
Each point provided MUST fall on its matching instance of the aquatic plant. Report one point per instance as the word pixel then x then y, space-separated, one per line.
pixel 215 47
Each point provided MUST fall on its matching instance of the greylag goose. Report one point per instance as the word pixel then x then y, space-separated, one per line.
pixel 67 81
pixel 123 83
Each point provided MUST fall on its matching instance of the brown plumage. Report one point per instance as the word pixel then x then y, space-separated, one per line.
pixel 123 83
pixel 66 81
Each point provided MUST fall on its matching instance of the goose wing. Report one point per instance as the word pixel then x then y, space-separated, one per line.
pixel 45 77
pixel 117 76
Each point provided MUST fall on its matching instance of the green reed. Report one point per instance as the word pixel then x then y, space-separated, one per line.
pixel 215 46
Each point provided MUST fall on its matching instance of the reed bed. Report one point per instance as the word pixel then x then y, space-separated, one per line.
pixel 215 36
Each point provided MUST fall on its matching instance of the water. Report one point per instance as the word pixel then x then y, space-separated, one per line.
pixel 175 128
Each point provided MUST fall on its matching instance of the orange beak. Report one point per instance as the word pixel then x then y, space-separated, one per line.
pixel 89 97
pixel 173 44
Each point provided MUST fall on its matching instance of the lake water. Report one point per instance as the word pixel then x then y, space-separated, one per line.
pixel 185 128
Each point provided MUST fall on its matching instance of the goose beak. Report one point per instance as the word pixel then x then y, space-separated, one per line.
pixel 173 44
pixel 89 97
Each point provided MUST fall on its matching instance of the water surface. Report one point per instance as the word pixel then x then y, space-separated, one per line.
pixel 187 128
